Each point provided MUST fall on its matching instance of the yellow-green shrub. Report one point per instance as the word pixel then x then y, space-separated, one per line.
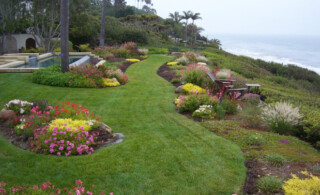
pixel 190 88
pixel 133 60
pixel 110 83
pixel 297 186
pixel 172 63
pixel 68 124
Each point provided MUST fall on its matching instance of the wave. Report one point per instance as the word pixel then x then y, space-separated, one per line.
pixel 270 58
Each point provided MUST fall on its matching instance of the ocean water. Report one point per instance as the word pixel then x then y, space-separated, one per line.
pixel 303 51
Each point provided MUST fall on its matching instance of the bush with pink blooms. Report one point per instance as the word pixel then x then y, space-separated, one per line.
pixel 126 50
pixel 196 75
pixel 49 188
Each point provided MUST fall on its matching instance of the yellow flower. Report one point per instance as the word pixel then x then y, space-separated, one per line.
pixel 133 60
pixel 68 124
pixel 110 83
pixel 190 88
pixel 172 63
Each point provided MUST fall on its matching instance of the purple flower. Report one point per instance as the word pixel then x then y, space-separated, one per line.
pixel 284 141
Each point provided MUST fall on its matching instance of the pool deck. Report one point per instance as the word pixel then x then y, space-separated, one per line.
pixel 8 61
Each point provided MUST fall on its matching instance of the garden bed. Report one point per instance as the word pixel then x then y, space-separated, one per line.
pixel 68 129
pixel 168 74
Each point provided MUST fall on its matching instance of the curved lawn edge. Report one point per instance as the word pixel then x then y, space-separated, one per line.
pixel 163 152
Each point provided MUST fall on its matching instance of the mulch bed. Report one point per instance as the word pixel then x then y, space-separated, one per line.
pixel 258 168
pixel 165 72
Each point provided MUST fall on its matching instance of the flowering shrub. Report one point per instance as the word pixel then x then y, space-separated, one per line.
pixel 201 64
pixel 49 188
pixel 281 117
pixel 110 82
pixel 223 74
pixel 172 63
pixel 126 50
pixel 19 107
pixel 72 110
pixel 183 60
pixel 67 124
pixel 189 88
pixel 204 112
pixel 193 102
pixel 143 51
pixel 201 59
pixel 297 186
pixel 196 75
pixel 133 60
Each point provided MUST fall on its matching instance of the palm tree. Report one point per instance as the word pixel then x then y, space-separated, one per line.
pixel 176 17
pixel 195 16
pixel 64 43
pixel 186 16
pixel 103 22
pixel 198 30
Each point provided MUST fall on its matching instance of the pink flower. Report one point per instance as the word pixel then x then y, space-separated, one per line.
pixel 45 141
pixel 81 127
pixel 68 148
pixel 2 184
pixel 61 148
pixel 51 150
pixel 89 193
pixel 62 141
pixel 52 145
pixel 2 190
pixel 68 129
pixel 79 182
pixel 55 128
pixel 58 153
pixel 35 187
pixel 68 153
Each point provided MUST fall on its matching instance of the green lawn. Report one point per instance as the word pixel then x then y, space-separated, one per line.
pixel 163 152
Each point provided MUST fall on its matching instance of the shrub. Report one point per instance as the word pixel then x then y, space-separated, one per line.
pixel 154 50
pixel 204 112
pixel 269 184
pixel 196 75
pixel 230 106
pixel 297 186
pixel 251 115
pixel 193 102
pixel 201 59
pixel 172 63
pixel 177 67
pixel 143 51
pixel 221 112
pixel 223 74
pixel 189 88
pixel 256 140
pixel 281 117
pixel 19 107
pixel 183 60
pixel 175 81
pixel 276 160
pixel 191 56
pixel 84 47
pixel 250 98
pixel 311 127
pixel 316 169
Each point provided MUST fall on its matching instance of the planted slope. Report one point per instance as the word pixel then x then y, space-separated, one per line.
pixel 162 152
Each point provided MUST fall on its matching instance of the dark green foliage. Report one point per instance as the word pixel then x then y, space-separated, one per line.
pixel 42 104
pixel 276 160
pixel 269 184
pixel 154 50
pixel 175 81
pixel 230 106
pixel 193 102
pixel 311 127
pixel 221 112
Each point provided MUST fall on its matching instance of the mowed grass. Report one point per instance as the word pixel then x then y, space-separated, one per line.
pixel 163 152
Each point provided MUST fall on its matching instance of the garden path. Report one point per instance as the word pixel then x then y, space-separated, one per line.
pixel 163 152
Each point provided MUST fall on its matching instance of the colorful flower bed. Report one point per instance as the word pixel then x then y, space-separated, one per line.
pixel 62 130
pixel 49 188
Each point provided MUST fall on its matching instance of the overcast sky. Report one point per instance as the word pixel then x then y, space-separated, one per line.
pixel 260 17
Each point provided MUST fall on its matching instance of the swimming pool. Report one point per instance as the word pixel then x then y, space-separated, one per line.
pixel 43 63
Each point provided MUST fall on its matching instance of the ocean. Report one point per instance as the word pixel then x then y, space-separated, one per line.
pixel 303 51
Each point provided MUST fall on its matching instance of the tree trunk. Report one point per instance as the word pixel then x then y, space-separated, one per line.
pixel 64 43
pixel 103 21
pixel 186 33
pixel 192 31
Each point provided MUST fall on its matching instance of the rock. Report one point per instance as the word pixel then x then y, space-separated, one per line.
pixel 105 128
pixel 114 80
pixel 179 89
pixel 6 115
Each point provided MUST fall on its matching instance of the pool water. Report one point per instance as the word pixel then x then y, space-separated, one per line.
pixel 53 60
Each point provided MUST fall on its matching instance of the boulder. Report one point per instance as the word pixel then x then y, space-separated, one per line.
pixel 179 89
pixel 6 115
pixel 105 127
pixel 114 80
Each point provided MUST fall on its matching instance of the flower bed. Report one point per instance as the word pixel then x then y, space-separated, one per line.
pixel 62 130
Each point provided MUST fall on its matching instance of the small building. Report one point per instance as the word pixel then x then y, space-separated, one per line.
pixel 16 42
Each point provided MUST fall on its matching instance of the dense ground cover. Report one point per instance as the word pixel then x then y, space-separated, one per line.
pixel 163 152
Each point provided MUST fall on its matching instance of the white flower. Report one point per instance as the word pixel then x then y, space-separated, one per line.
pixel 21 111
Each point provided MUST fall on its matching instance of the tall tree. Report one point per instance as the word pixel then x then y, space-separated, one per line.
pixel 46 22
pixel 186 16
pixel 103 22
pixel 64 43
pixel 195 16
pixel 120 4
pixel 176 17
